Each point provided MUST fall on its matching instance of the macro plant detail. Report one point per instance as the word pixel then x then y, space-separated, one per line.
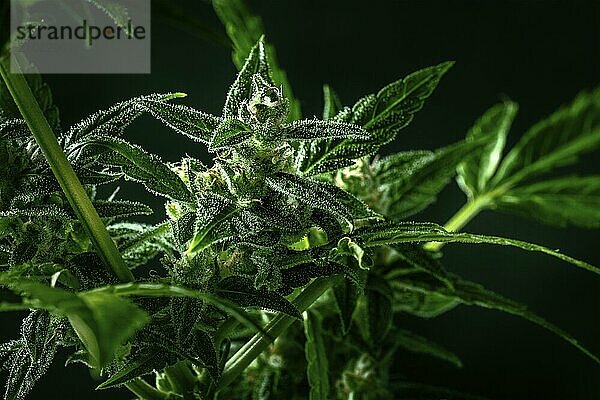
pixel 287 259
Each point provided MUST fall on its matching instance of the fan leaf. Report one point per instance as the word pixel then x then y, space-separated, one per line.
pixel 317 369
pixel 382 115
pixel 415 232
pixel 474 173
pixel 564 201
pixel 143 167
pixel 554 142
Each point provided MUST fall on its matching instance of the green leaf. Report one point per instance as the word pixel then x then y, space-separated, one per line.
pixel 317 368
pixel 416 232
pixel 132 370
pixel 571 200
pixel 418 344
pixel 114 10
pixel 417 257
pixel 554 142
pixel 139 243
pixel 395 105
pixel 422 305
pixel 120 208
pixel 196 125
pixel 143 167
pixel 42 93
pixel 474 173
pixel 382 115
pixel 241 90
pixel 410 181
pixel 13 129
pixel 318 130
pixel 346 295
pixel 158 348
pixel 379 315
pixel 322 196
pixel 331 103
pixel 473 294
pixel 242 291
pixel 160 290
pixel 245 29
pixel 113 120
pixel 213 210
pixel 346 247
pixel 102 321
pixel 28 358
pixel 229 133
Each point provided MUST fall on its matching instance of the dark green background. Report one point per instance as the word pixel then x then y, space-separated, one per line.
pixel 538 53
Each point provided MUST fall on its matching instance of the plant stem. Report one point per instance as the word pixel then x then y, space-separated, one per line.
pixel 181 378
pixel 462 217
pixel 258 343
pixel 63 171
pixel 224 329
pixel 145 391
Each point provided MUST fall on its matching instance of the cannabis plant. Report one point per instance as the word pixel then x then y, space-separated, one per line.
pixel 287 260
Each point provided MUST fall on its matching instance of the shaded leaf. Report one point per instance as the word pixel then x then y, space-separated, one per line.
pixel 242 291
pixel 322 196
pixel 418 344
pixel 317 366
pixel 554 142
pixel 28 358
pixel 133 369
pixel 212 211
pixel 120 208
pixel 114 10
pixel 410 181
pixel 346 295
pixel 331 103
pixel 417 257
pixel 474 173
pixel 13 129
pixel 115 119
pixel 473 294
pixel 317 130
pixel 564 201
pixel 41 91
pixel 143 167
pixel 160 290
pixel 422 305
pixel 102 321
pixel 229 133
pixel 379 314
pixel 139 243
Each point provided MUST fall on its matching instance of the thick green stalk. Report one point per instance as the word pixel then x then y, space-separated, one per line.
pixel 467 212
pixel 145 391
pixel 224 329
pixel 181 378
pixel 63 171
pixel 462 217
pixel 259 343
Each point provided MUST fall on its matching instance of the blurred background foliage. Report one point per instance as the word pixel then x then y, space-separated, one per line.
pixel 537 53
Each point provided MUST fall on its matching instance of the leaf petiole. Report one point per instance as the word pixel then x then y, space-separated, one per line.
pixel 258 343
